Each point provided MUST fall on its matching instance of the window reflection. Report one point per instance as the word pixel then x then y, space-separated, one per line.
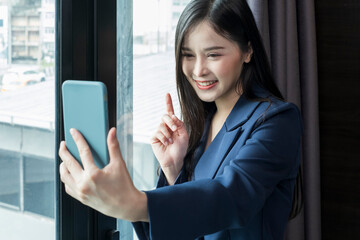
pixel 154 75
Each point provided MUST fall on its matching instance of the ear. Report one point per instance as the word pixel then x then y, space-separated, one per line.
pixel 249 53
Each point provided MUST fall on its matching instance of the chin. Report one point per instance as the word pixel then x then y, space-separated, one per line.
pixel 206 98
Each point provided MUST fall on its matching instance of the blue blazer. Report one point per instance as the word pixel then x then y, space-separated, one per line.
pixel 243 183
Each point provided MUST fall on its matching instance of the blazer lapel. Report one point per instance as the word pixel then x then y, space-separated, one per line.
pixel 213 156
pixel 211 160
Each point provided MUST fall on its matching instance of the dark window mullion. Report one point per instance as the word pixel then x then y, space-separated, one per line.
pixel 105 71
pixel 78 57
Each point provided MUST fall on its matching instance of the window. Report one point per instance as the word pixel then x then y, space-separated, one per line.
pixel 157 54
pixel 10 169
pixel 50 15
pixel 49 30
pixel 27 134
pixel 92 48
pixel 154 23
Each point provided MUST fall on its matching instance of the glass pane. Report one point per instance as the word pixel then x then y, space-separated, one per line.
pixel 39 185
pixel 154 76
pixel 10 190
pixel 154 24
pixel 27 107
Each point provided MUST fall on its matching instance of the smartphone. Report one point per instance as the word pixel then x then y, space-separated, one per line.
pixel 85 108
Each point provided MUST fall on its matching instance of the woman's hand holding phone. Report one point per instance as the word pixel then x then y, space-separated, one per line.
pixel 109 190
pixel 170 143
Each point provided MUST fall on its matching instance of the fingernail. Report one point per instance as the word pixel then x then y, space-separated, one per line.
pixel 114 133
pixel 173 127
pixel 166 143
pixel 171 141
pixel 72 131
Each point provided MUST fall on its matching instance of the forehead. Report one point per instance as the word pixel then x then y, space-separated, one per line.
pixel 203 35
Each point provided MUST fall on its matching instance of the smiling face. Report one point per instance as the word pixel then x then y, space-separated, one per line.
pixel 212 64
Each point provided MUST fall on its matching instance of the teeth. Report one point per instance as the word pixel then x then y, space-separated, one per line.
pixel 206 83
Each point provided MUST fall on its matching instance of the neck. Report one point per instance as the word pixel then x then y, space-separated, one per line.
pixel 224 106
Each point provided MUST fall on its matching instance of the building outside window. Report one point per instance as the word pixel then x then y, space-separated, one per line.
pixel 27 108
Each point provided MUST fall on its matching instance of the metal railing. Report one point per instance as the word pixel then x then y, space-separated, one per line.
pixel 26 120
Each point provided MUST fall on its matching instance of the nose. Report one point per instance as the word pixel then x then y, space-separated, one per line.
pixel 200 68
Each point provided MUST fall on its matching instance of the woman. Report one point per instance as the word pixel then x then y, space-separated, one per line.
pixel 234 158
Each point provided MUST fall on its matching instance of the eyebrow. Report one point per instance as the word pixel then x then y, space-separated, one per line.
pixel 206 49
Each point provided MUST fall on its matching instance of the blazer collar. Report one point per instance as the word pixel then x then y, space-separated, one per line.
pixel 243 109
pixel 209 162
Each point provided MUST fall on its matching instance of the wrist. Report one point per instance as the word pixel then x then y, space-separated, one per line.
pixel 139 211
pixel 171 174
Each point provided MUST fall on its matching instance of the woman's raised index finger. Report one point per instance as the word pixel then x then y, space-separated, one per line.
pixel 169 104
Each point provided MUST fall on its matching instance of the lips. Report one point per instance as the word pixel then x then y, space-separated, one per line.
pixel 204 85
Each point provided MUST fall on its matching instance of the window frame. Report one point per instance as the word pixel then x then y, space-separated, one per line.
pixel 85 50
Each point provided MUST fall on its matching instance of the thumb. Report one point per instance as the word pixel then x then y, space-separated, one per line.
pixel 113 146
pixel 181 129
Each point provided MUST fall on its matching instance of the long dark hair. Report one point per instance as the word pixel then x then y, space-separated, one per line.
pixel 233 20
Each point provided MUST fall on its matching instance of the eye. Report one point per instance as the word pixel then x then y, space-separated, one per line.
pixel 213 55
pixel 187 55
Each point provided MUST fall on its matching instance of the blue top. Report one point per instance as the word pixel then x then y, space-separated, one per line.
pixel 243 183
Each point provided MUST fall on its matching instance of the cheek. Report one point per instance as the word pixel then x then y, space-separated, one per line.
pixel 186 71
pixel 229 69
pixel 186 68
